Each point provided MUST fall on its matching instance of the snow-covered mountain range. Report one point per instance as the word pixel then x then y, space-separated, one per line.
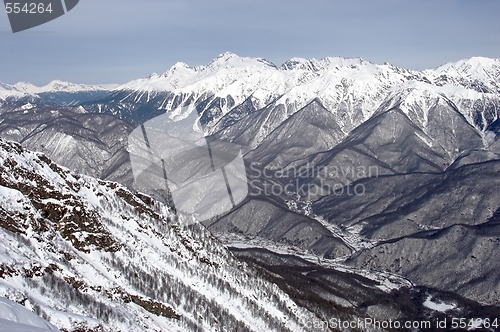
pixel 350 88
pixel 423 145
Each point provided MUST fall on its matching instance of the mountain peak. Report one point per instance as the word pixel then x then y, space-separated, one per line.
pixel 473 64
pixel 228 54
pixel 231 60
pixel 225 57
pixel 180 70
pixel 476 73
pixel 298 63
pixel 58 85
pixel 180 65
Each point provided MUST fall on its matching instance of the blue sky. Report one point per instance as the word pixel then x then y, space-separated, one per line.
pixel 107 41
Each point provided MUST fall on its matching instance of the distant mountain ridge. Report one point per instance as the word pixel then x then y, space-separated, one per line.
pixel 352 88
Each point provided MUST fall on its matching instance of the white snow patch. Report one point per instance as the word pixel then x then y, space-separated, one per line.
pixel 438 306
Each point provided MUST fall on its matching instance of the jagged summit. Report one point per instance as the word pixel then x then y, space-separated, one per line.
pixel 298 63
pixel 225 56
pixel 229 60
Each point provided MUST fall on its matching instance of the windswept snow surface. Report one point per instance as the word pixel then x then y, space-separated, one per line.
pixel 16 318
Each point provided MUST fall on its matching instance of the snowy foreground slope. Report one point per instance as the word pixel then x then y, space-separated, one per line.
pixel 16 318
pixel 83 253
